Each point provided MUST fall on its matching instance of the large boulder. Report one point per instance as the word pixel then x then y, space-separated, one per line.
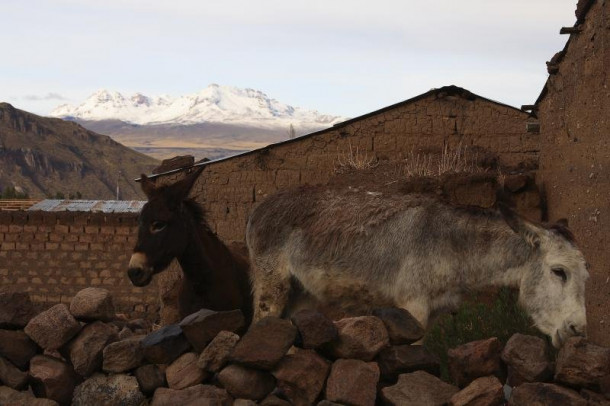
pixel 92 304
pixel 486 391
pixel 353 382
pixel 301 376
pixel 216 354
pixel 52 379
pixel 184 372
pixel 201 327
pixel 418 388
pixel 359 338
pixel 402 327
pixel 17 347
pixel 474 360
pixel 85 351
pixel 581 363
pixel 527 359
pixel 314 328
pixel 265 343
pixel 16 310
pixel 112 390
pixel 123 356
pixel 246 383
pixel 544 394
pixel 53 328
pixel 164 345
pixel 198 395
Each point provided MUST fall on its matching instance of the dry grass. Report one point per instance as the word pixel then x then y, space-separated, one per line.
pixel 458 160
pixel 354 160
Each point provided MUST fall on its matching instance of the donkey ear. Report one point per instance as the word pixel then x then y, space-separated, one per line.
pixel 180 190
pixel 148 186
pixel 519 226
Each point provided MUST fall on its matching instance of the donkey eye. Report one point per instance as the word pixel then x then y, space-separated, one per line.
pixel 157 226
pixel 560 273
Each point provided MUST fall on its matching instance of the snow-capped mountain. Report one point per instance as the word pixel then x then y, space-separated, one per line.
pixel 214 104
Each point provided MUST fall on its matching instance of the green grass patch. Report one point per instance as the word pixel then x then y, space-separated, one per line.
pixel 475 320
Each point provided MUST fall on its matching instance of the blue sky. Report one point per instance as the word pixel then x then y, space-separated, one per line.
pixel 345 57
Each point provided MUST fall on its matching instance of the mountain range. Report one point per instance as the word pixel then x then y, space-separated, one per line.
pixel 218 120
pixel 48 157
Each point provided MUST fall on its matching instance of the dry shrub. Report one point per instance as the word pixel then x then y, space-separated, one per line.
pixel 354 160
pixel 458 160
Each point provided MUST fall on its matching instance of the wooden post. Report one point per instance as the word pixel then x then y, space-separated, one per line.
pixel 570 30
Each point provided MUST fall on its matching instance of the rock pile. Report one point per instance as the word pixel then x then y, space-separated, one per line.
pixel 83 355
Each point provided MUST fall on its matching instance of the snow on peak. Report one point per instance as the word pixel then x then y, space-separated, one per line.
pixel 215 103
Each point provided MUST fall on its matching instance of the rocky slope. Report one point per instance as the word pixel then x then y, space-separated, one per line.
pixel 45 156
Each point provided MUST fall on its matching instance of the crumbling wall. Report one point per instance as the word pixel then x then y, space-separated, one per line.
pixel 574 112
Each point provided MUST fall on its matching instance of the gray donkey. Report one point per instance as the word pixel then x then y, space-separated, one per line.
pixel 414 252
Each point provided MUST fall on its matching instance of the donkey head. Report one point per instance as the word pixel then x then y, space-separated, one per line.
pixel 552 288
pixel 164 228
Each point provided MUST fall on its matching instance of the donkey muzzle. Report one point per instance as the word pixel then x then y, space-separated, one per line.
pixel 139 272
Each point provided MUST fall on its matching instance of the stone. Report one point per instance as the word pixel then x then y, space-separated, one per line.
pixel 17 347
pixel 544 394
pixel 594 398
pixel 418 388
pixel 604 386
pixel 16 310
pixel 581 363
pixel 485 391
pixel 274 400
pixel 265 343
pixel 359 338
pixel 150 377
pixel 53 328
pixel 125 333
pixel 300 376
pixel 139 325
pixel 215 356
pixel 92 304
pixel 402 327
pixel 474 360
pixel 164 345
pixel 314 328
pixel 12 376
pixel 400 359
pixel 198 395
pixel 12 397
pixel 85 351
pixel 123 356
pixel 327 403
pixel 52 379
pixel 201 327
pixel 184 372
pixel 246 383
pixel 527 359
pixel 111 390
pixel 353 382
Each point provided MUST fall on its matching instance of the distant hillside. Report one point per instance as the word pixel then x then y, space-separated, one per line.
pixel 46 156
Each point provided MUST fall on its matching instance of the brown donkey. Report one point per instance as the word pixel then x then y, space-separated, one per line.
pixel 173 226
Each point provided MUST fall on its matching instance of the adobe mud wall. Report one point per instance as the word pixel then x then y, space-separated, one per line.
pixel 574 112
pixel 449 116
pixel 54 255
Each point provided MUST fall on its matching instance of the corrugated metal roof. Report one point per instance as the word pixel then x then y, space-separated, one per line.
pixel 93 206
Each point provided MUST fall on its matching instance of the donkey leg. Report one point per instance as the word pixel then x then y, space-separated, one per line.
pixel 270 290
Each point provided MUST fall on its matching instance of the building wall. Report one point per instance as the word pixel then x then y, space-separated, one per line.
pixel 450 116
pixel 575 159
pixel 54 255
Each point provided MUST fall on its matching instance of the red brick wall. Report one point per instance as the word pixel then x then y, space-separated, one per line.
pixel 575 158
pixel 54 255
